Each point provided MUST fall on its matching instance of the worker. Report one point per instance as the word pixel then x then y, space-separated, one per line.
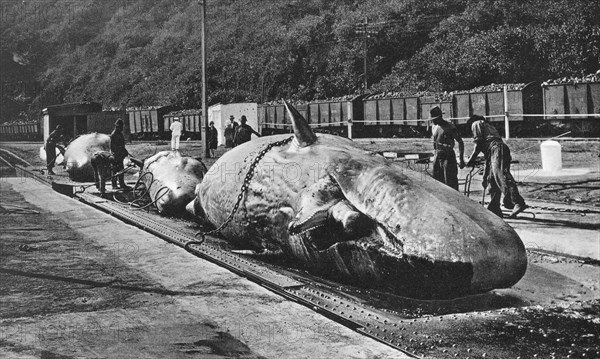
pixel 244 132
pixel 213 138
pixel 230 132
pixel 117 147
pixel 52 141
pixel 497 167
pixel 176 128
pixel 444 135
pixel 102 164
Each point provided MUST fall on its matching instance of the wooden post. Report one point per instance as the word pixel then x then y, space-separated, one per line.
pixel 204 98
pixel 506 116
pixel 349 128
pixel 365 35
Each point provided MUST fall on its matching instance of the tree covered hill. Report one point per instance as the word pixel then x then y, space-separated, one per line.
pixel 142 52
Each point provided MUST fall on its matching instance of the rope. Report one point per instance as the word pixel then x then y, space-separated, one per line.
pixel 157 198
pixel 83 188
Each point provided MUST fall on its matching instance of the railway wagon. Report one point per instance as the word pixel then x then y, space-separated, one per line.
pixel 522 99
pixel 272 118
pixel 323 116
pixel 21 132
pixel 147 122
pixel 567 107
pixel 191 121
pixel 391 115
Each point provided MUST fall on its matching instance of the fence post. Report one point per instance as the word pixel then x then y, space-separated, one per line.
pixel 506 126
pixel 350 128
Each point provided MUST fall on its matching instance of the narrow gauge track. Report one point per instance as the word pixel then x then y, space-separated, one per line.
pixel 413 335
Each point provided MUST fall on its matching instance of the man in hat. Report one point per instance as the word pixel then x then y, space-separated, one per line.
pixel 53 139
pixel 176 129
pixel 444 163
pixel 230 132
pixel 244 132
pixel 213 138
pixel 497 167
pixel 117 147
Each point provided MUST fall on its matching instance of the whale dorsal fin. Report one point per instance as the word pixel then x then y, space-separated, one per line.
pixel 304 136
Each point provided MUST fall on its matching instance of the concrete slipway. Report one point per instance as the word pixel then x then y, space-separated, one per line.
pixel 91 286
pixel 77 282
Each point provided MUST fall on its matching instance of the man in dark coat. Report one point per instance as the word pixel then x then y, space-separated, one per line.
pixel 497 167
pixel 117 147
pixel 53 139
pixel 243 133
pixel 102 163
pixel 444 135
pixel 213 138
pixel 230 132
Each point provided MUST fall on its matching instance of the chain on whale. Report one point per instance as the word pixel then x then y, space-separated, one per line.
pixel 242 193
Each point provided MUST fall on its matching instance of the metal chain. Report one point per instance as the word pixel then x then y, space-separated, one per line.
pixel 243 190
pixel 565 210
pixel 582 212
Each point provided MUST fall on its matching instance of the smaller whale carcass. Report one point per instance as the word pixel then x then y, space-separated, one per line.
pixel 78 155
pixel 170 180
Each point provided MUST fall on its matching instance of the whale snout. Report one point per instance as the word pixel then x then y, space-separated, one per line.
pixel 502 263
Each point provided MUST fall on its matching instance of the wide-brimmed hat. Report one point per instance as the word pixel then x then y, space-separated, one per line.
pixel 434 113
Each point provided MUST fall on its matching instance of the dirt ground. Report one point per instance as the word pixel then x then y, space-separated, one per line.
pixel 576 153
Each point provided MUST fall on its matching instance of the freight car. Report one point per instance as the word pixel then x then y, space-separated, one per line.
pixel 552 108
pixel 532 110
pixel 191 121
pixel 21 132
pixel 330 116
pixel 146 123
pixel 567 107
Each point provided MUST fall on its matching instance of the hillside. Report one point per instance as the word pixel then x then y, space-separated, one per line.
pixel 140 52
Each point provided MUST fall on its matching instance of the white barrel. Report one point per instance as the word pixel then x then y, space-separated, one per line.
pixel 551 156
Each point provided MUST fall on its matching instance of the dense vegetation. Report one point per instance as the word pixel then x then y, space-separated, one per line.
pixel 140 52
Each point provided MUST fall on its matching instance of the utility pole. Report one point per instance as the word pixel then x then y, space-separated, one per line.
pixel 204 98
pixel 365 36
pixel 364 29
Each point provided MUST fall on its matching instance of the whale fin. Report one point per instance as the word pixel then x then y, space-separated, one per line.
pixel 303 134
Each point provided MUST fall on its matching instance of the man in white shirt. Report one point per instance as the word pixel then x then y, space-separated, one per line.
pixel 175 128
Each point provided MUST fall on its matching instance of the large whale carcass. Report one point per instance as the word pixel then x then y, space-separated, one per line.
pixel 170 180
pixel 78 155
pixel 354 215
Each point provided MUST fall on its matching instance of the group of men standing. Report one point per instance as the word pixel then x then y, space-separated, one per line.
pixel 237 134
pixel 496 154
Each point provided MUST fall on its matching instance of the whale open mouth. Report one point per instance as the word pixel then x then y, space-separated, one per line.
pixel 332 235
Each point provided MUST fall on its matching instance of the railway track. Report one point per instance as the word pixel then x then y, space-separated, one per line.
pixel 416 335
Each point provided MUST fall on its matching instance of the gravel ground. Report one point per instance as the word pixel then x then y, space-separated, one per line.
pixel 576 153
